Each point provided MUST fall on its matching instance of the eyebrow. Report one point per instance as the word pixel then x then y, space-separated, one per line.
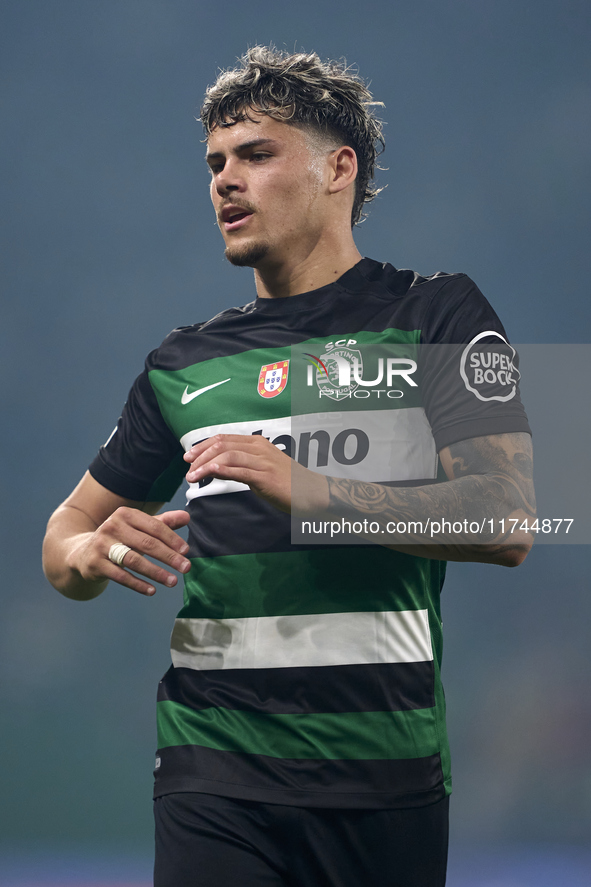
pixel 253 143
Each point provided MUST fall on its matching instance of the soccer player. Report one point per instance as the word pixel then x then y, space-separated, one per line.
pixel 301 727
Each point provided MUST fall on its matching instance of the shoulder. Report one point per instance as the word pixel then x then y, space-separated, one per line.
pixel 457 311
pixel 185 345
pixel 447 307
pixel 442 294
pixel 442 306
pixel 404 282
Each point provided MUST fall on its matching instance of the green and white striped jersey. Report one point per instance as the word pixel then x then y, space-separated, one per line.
pixel 309 674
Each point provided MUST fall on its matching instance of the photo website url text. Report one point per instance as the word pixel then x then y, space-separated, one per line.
pixel 433 528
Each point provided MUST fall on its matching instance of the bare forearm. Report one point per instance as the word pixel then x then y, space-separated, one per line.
pixel 82 532
pixel 471 517
pixel 68 530
pixel 423 517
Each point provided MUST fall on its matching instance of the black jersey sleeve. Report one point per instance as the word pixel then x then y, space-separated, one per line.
pixel 142 460
pixel 470 372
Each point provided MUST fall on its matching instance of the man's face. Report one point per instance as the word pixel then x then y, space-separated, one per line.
pixel 268 190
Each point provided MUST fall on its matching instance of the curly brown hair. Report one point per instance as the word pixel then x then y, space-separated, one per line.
pixel 300 89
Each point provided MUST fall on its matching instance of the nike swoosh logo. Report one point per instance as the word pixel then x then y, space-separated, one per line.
pixel 187 398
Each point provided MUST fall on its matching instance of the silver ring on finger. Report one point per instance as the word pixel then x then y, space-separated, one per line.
pixel 117 552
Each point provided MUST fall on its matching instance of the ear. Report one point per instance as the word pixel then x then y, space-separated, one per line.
pixel 343 164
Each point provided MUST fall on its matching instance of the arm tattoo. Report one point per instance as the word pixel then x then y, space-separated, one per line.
pixel 490 478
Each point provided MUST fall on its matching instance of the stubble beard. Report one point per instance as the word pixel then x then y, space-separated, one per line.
pixel 247 255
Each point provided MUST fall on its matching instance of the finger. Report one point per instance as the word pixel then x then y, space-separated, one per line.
pixel 122 577
pixel 220 442
pixel 242 467
pixel 207 449
pixel 216 460
pixel 120 522
pixel 173 519
pixel 137 562
pixel 201 447
pixel 144 543
pixel 100 566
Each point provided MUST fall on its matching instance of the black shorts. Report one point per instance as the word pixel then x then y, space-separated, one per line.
pixel 210 841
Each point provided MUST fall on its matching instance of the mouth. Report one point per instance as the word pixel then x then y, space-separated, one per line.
pixel 234 217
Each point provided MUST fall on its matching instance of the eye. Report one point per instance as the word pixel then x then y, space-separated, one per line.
pixel 259 156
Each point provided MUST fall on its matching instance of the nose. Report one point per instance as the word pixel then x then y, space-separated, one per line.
pixel 229 180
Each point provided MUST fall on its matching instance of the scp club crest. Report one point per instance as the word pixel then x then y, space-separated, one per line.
pixel 273 378
pixel 335 377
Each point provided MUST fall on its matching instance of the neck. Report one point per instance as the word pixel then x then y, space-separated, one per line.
pixel 322 266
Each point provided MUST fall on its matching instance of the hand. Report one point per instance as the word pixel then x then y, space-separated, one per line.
pixel 269 472
pixel 145 535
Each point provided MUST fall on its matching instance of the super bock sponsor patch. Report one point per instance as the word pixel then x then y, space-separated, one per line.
pixel 489 369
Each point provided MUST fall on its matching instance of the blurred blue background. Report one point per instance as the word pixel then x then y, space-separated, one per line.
pixel 109 241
